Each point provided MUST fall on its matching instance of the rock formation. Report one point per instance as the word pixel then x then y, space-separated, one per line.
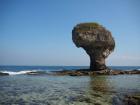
pixel 96 40
pixel 3 74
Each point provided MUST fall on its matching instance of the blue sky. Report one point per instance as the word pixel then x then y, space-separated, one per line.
pixel 38 32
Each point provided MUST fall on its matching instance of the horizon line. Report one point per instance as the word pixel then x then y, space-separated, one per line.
pixel 65 65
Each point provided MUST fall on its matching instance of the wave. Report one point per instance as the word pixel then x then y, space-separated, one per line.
pixel 24 72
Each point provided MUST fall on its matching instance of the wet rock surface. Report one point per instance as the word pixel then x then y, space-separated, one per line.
pixel 80 72
pixel 86 72
pixel 3 74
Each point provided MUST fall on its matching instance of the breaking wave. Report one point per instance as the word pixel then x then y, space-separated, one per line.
pixel 24 72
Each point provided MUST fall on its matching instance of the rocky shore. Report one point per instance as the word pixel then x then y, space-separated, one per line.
pixel 3 74
pixel 87 72
pixel 80 72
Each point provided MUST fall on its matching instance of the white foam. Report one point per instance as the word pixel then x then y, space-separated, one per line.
pixel 18 72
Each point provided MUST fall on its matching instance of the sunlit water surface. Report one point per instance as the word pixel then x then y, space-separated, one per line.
pixel 66 90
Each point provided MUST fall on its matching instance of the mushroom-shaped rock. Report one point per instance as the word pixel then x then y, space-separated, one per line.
pixel 96 40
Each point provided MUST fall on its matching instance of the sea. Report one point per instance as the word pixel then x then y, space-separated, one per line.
pixel 20 89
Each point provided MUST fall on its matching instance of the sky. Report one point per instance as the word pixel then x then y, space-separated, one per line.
pixel 38 32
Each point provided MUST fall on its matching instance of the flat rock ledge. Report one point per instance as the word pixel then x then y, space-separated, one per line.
pixel 80 72
pixel 87 72
pixel 3 74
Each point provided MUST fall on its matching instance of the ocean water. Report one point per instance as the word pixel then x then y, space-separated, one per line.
pixel 23 69
pixel 20 89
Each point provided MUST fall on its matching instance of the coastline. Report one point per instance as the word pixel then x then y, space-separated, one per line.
pixel 75 86
pixel 78 72
pixel 87 72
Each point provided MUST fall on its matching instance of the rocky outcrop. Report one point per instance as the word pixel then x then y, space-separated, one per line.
pixel 3 74
pixel 96 40
pixel 80 72
pixel 88 72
